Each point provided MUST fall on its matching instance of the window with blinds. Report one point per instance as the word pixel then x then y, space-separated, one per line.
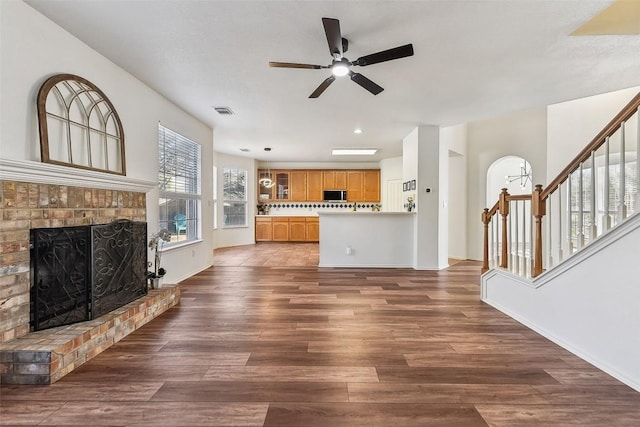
pixel 234 197
pixel 179 181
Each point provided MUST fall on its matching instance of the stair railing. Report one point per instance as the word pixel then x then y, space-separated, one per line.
pixel 597 190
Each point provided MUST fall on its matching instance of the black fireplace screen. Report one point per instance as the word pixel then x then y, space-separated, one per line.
pixel 80 273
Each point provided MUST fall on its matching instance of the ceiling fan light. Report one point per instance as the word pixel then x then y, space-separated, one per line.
pixel 340 70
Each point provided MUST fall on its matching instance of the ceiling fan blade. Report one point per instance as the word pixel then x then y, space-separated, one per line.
pixel 366 83
pixel 334 37
pixel 325 84
pixel 385 55
pixel 294 65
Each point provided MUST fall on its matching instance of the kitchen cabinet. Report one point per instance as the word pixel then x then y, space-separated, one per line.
pixel 297 229
pixel 280 229
pixel 354 186
pixel 264 230
pixel 312 232
pixel 287 229
pixel 281 189
pixel 314 186
pixel 298 186
pixel 334 180
pixel 371 185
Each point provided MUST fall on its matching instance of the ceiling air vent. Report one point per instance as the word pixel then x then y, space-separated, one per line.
pixel 224 110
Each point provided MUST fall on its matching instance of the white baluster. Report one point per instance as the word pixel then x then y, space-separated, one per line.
pixel 580 235
pixel 560 216
pixel 623 162
pixel 593 232
pixel 607 216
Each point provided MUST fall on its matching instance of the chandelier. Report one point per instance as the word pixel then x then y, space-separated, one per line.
pixel 524 177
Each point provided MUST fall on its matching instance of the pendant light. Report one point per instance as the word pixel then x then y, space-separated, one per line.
pixel 267 182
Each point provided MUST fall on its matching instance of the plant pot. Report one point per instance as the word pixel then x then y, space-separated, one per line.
pixel 155 283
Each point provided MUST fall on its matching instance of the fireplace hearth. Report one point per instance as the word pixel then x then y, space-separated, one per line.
pixel 80 273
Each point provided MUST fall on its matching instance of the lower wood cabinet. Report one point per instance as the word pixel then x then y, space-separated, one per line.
pixel 264 230
pixel 312 229
pixel 280 229
pixel 287 229
pixel 297 229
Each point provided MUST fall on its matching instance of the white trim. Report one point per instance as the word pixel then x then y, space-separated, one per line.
pixel 47 173
pixel 577 351
pixel 365 266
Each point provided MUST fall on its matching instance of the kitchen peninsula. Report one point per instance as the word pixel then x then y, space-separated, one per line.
pixel 367 239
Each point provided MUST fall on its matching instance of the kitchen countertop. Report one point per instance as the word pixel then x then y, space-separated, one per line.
pixel 311 214
pixel 363 212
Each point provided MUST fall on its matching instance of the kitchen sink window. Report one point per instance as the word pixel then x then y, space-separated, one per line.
pixel 234 198
pixel 179 182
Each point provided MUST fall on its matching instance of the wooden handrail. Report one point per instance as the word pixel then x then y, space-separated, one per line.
pixel 517 197
pixel 595 143
pixel 493 210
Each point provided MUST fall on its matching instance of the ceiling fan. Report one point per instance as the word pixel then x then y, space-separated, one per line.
pixel 338 45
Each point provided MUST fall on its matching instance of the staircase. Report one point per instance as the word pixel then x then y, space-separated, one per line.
pixel 564 259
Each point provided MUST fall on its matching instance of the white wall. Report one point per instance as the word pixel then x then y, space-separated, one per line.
pixel 522 134
pixel 425 159
pixel 455 138
pixel 224 237
pixel 590 310
pixel 375 239
pixel 572 125
pixel 33 48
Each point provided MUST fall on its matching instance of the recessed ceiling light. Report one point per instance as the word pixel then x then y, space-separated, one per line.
pixel 354 151
pixel 358 131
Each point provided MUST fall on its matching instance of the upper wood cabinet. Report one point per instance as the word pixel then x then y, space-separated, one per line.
pixel 308 185
pixel 281 189
pixel 265 194
pixel 354 186
pixel 314 186
pixel 298 186
pixel 371 185
pixel 334 180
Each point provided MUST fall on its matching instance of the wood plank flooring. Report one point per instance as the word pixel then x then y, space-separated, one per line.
pixel 304 346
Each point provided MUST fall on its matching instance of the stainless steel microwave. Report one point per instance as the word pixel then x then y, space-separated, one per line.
pixel 335 195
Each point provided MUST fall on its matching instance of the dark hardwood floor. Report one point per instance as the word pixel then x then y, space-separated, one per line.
pixel 303 346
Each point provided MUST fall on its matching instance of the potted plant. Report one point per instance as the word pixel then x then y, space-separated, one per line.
pixel 156 242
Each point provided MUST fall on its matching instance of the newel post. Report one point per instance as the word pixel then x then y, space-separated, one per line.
pixel 503 208
pixel 485 258
pixel 538 210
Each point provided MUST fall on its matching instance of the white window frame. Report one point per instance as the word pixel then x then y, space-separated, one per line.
pixel 215 197
pixel 229 199
pixel 179 180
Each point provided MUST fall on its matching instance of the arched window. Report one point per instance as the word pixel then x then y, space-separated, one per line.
pixel 510 172
pixel 79 126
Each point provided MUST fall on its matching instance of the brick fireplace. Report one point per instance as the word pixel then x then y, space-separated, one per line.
pixel 26 205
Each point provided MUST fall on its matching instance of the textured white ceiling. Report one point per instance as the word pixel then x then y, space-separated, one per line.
pixel 473 60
